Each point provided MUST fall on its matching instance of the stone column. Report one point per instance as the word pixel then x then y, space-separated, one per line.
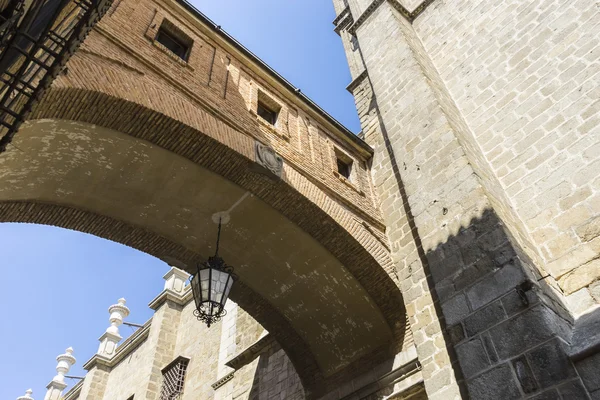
pixel 110 338
pixel 57 385
pixel 168 306
pixel 27 395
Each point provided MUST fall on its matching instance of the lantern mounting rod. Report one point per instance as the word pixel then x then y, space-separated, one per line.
pixel 224 216
pixel 218 239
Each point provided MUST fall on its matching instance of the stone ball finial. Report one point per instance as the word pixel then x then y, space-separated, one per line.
pixel 27 396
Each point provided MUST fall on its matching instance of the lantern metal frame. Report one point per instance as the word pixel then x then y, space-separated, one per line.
pixel 210 310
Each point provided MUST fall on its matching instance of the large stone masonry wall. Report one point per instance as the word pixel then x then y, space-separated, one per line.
pixel 509 337
pixel 129 376
pixel 176 332
pixel 525 78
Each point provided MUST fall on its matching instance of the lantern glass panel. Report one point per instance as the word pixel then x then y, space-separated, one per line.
pixel 227 289
pixel 204 283
pixel 195 283
pixel 218 285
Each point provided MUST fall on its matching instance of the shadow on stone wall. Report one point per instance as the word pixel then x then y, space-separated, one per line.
pixel 512 340
pixel 275 376
pixel 585 351
pixel 419 246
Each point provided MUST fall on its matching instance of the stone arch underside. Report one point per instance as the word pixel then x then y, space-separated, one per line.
pixel 380 321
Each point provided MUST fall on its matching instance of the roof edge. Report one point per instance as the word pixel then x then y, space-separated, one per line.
pixel 245 51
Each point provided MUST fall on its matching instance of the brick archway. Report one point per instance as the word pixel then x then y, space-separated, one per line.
pixel 223 150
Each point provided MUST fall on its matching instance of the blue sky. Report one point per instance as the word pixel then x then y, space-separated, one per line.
pixel 58 284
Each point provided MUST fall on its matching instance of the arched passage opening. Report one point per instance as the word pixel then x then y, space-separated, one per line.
pixel 324 297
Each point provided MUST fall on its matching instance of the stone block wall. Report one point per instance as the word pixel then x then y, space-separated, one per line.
pixel 129 376
pixel 479 274
pixel 175 332
pixel 525 77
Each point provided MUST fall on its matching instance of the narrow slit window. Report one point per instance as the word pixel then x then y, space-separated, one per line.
pixel 174 40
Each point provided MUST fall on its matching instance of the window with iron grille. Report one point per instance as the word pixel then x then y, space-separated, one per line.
pixel 173 379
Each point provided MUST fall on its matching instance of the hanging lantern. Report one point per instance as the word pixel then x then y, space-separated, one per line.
pixel 211 285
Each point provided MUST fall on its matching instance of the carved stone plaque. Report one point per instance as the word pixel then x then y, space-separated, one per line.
pixel 268 159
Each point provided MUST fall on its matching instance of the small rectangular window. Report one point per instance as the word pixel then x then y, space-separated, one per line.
pixel 267 114
pixel 344 164
pixel 267 108
pixel 174 39
pixel 173 379
pixel 343 168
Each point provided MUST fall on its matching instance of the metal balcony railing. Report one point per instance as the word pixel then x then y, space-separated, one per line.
pixel 37 38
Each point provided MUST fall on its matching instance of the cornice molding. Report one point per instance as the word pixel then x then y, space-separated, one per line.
pixel 339 17
pixel 123 350
pixel 74 392
pixel 365 15
pixel 169 295
pixel 344 22
pixel 250 353
pixel 357 81
pixel 409 15
pixel 223 380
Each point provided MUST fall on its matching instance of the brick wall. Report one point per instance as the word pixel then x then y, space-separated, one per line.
pixel 219 80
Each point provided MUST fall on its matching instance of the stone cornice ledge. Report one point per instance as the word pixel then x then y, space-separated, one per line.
pixel 74 392
pixel 403 372
pixel 343 23
pixel 122 351
pixel 585 337
pixel 223 380
pixel 357 81
pixel 250 353
pixel 410 16
pixel 339 17
pixel 169 295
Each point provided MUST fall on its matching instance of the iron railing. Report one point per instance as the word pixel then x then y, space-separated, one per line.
pixel 37 38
